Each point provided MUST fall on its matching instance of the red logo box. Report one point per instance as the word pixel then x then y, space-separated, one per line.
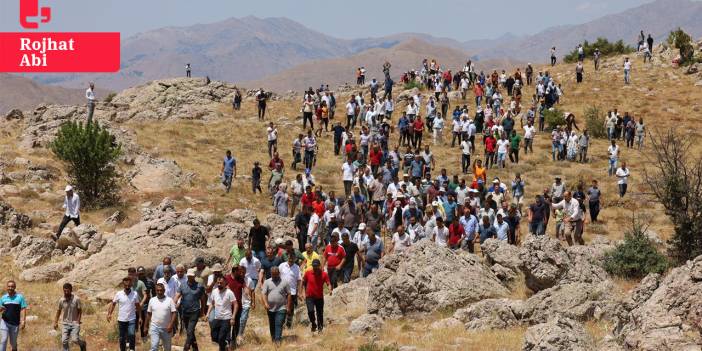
pixel 59 52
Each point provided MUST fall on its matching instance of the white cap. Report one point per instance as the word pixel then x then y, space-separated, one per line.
pixel 69 188
pixel 361 226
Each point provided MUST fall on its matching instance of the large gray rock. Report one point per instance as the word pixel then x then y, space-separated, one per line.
pixel 579 301
pixel 427 278
pixel 502 253
pixel 47 273
pixel 558 334
pixel 490 314
pixel 12 219
pixel 366 324
pixel 162 232
pixel 664 313
pixel 156 175
pixel 33 251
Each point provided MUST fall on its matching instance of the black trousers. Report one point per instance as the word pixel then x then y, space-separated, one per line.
pixel 190 320
pixel 64 222
pixel 594 210
pixel 315 313
pixel 305 117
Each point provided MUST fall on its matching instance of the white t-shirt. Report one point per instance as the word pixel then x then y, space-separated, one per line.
pixel 171 286
pixel 457 125
pixel 401 243
pixel 529 132
pixel 291 274
pixel 252 267
pixel 465 147
pixel 272 133
pixel 613 151
pixel 623 175
pixel 627 65
pixel 313 227
pixel 245 297
pixel 222 301
pixel 441 235
pixel 347 170
pixel 161 310
pixel 127 305
pixel 502 146
pixel 350 109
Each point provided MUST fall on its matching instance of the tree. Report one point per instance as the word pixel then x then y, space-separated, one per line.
pixel 676 181
pixel 594 121
pixel 554 117
pixel 605 46
pixel 683 42
pixel 89 154
pixel 636 257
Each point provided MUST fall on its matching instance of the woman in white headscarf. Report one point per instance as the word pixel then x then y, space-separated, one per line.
pixel 572 146
pixel 281 200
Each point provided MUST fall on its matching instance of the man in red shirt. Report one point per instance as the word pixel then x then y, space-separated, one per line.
pixel 313 281
pixel 490 144
pixel 334 257
pixel 375 156
pixel 418 127
pixel 318 206
pixel 456 233
pixel 307 198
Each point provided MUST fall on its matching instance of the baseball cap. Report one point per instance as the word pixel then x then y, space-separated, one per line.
pixel 141 269
pixel 361 226
pixel 279 241
pixel 69 188
pixel 217 267
pixel 316 263
pixel 191 272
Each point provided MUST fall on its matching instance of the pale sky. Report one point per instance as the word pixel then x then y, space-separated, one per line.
pixel 343 19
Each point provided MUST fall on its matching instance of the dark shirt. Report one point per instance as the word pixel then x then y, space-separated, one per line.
pixel 539 212
pixel 486 232
pixel 351 250
pixel 257 237
pixel 268 263
pixel 236 286
pixel 302 221
pixel 190 297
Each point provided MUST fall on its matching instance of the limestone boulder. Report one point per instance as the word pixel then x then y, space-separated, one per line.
pixel 490 314
pixel 366 324
pixel 47 273
pixel 156 175
pixel 557 334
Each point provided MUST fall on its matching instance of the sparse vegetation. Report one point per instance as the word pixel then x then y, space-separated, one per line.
pixel 413 84
pixel 636 256
pixel 606 49
pixel 683 42
pixel 109 97
pixel 676 181
pixel 594 122
pixel 554 117
pixel 371 346
pixel 89 153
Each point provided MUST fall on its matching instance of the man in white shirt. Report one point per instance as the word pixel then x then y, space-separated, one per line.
pixel 272 132
pixel 169 281
pixel 457 131
pixel 128 304
pixel 623 176
pixel 290 272
pixel 351 113
pixel 441 233
pixel 252 265
pixel 223 302
pixel 347 173
pixel 401 241
pixel 573 218
pixel 313 230
pixel 502 147
pixel 613 153
pixel 161 316
pixel 90 95
pixel 529 132
pixel 465 157
pixel 72 205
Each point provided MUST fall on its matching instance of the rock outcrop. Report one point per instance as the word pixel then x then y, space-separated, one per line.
pixel 366 324
pixel 558 334
pixel 427 278
pixel 47 273
pixel 156 175
pixel 490 314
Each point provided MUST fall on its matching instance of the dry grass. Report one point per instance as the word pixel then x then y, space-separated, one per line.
pixel 199 147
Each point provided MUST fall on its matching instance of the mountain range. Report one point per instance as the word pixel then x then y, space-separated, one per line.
pixel 287 55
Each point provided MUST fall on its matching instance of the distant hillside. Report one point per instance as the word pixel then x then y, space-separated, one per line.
pixel 658 18
pixel 23 93
pixel 404 56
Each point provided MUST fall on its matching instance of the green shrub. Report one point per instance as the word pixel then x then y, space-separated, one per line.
pixel 109 97
pixel 554 117
pixel 636 256
pixel 413 84
pixel 683 42
pixel 89 152
pixel 606 49
pixel 594 122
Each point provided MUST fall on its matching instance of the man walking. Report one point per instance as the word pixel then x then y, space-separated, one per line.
pixel 187 70
pixel 290 271
pixel 13 307
pixel 261 98
pixel 90 95
pixel 573 218
pixel 223 303
pixel 71 203
pixel 593 195
pixel 129 307
pixel 228 170
pixel 334 257
pixel 191 300
pixel 623 176
pixel 70 306
pixel 314 281
pixel 161 317
pixel 278 300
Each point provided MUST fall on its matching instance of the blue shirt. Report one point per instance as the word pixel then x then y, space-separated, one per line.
pixel 450 209
pixel 486 232
pixel 470 226
pixel 229 164
pixel 417 167
pixel 190 297
pixel 502 230
pixel 13 306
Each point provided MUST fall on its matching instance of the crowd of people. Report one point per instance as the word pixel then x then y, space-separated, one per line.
pixel 393 194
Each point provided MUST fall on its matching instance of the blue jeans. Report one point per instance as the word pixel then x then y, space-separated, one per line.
pixel 260 254
pixel 8 332
pixel 71 333
pixel 160 335
pixel 537 228
pixel 627 76
pixel 346 273
pixel 275 324
pixel 612 166
pixel 243 319
pixel 127 332
pixel 369 267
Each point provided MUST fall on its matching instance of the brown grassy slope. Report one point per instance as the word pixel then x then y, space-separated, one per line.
pixel 662 96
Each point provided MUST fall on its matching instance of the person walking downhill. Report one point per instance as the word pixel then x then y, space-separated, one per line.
pixel 228 170
pixel 71 203
pixel 623 177
pixel 222 303
pixel 261 99
pixel 71 308
pixel 278 301
pixel 627 71
pixel 191 299
pixel 613 152
pixel 187 70
pixel 313 281
pixel 161 317
pixel 13 308
pixel 129 308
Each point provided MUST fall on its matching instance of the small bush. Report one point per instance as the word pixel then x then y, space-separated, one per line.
pixel 109 97
pixel 636 257
pixel 89 153
pixel 413 84
pixel 683 42
pixel 594 122
pixel 606 49
pixel 554 117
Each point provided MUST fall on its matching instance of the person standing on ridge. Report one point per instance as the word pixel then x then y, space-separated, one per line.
pixel 71 203
pixel 90 95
